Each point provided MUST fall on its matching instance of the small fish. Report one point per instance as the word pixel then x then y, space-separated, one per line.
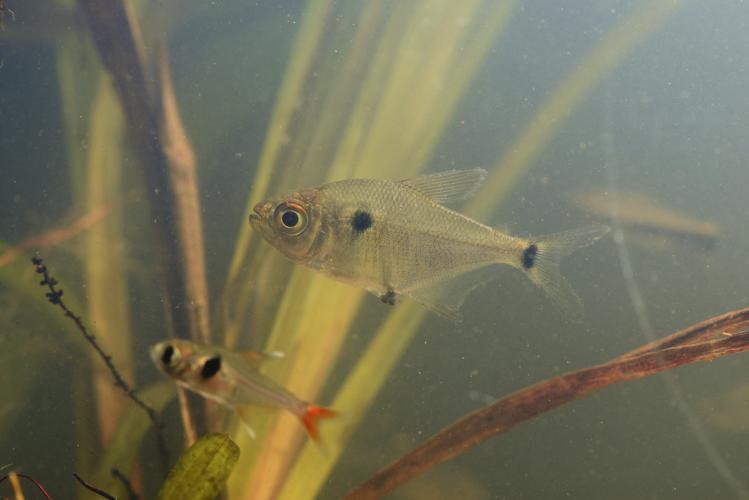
pixel 232 379
pixel 396 238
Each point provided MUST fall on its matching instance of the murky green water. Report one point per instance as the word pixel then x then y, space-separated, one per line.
pixel 634 97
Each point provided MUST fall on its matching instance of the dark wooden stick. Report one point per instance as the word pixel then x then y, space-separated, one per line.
pixel 117 37
pixel 704 341
pixel 29 478
pixel 55 297
pixel 90 487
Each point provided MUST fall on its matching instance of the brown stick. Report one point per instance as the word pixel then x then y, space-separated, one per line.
pixel 117 37
pixel 703 341
pixel 184 180
pixel 55 236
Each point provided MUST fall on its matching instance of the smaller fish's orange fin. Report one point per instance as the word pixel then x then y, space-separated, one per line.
pixel 311 416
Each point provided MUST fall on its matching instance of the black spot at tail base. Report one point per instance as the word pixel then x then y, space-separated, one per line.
pixel 211 367
pixel 529 256
pixel 166 356
pixel 361 221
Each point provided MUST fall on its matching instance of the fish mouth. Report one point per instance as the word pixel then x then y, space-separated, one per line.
pixel 256 216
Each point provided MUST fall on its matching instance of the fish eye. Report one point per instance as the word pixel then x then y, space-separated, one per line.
pixel 170 356
pixel 291 218
pixel 166 357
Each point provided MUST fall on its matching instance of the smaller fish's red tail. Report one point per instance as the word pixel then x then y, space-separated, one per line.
pixel 311 416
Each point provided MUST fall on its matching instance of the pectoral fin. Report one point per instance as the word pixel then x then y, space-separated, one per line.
pixel 449 186
pixel 259 357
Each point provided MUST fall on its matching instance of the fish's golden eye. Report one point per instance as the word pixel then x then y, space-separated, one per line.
pixel 291 218
pixel 170 357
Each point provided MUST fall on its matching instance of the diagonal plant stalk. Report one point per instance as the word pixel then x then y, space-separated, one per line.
pixel 606 56
pixel 105 266
pixel 183 177
pixel 304 52
pixel 395 334
pixel 313 355
pixel 168 168
pixel 705 341
pixel 368 376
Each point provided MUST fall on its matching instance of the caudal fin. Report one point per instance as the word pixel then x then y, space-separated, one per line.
pixel 541 259
pixel 310 419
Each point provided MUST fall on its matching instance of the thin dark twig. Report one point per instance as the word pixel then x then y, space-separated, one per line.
pixel 96 490
pixel 704 341
pixel 126 483
pixel 55 297
pixel 29 478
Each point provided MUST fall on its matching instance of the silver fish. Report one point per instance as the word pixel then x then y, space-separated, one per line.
pixel 232 379
pixel 396 238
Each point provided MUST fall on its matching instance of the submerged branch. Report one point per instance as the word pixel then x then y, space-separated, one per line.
pixel 705 341
pixel 13 478
pixel 126 483
pixel 159 143
pixel 90 487
pixel 56 236
pixel 55 297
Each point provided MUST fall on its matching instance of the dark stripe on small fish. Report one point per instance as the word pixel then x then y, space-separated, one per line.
pixel 211 367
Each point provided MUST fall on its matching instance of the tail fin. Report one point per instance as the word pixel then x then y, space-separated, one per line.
pixel 541 259
pixel 311 415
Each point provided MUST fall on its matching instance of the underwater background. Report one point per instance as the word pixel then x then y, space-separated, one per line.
pixel 641 104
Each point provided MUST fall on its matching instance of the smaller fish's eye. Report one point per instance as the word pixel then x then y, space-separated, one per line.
pixel 291 218
pixel 211 367
pixel 166 356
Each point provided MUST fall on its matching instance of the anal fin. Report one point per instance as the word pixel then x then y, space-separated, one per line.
pixel 446 295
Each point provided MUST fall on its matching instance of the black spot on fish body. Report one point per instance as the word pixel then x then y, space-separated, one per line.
pixel 211 367
pixel 388 297
pixel 529 256
pixel 166 356
pixel 361 221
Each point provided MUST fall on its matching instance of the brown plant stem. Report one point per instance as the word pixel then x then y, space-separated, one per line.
pixel 13 478
pixel 703 341
pixel 55 297
pixel 93 488
pixel 56 236
pixel 118 39
pixel 132 495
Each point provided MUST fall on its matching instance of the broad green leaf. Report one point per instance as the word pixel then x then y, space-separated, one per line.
pixel 202 470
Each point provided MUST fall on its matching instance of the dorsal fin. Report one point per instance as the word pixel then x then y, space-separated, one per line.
pixel 448 186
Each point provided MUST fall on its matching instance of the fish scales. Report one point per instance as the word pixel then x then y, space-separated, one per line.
pixel 397 238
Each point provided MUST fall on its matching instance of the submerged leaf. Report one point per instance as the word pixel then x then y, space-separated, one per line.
pixel 202 470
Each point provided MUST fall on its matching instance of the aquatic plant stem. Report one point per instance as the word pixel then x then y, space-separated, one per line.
pixel 605 56
pixel 184 181
pixel 57 236
pixel 104 265
pixel 13 478
pixel 93 488
pixel 704 341
pixel 55 297
pixel 123 479
pixel 118 39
